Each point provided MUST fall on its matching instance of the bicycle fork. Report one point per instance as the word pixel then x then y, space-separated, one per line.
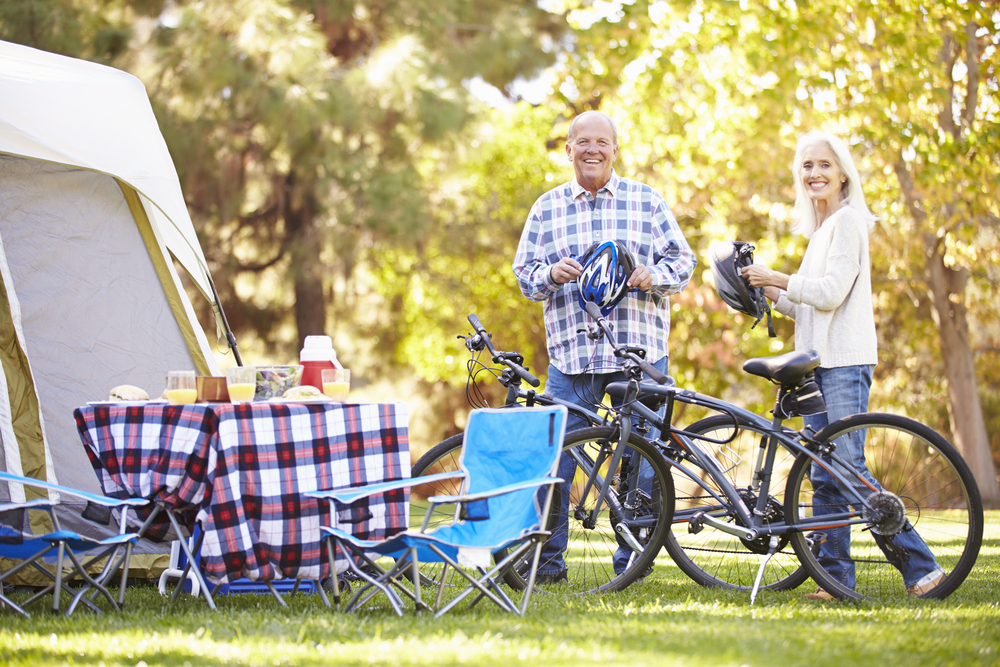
pixel 623 511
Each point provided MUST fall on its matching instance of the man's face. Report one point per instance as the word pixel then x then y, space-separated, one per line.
pixel 592 150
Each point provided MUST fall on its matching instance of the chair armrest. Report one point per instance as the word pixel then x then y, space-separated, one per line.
pixel 499 491
pixel 90 497
pixel 37 503
pixel 352 494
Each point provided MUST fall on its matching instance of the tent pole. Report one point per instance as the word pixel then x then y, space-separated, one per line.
pixel 230 338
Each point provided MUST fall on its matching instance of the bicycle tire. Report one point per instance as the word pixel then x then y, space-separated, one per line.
pixel 591 550
pixel 711 557
pixel 940 500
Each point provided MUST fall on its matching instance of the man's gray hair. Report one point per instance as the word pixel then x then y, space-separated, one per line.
pixel 614 126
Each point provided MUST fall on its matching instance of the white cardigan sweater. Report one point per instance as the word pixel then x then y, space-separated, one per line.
pixel 830 298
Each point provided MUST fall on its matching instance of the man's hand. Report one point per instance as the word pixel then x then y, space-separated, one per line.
pixel 641 278
pixel 565 270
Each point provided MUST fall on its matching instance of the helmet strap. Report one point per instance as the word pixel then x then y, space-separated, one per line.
pixel 770 323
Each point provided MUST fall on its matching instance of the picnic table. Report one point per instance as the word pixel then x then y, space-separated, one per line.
pixel 240 472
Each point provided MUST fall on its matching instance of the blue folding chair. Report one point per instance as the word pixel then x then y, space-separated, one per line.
pixel 507 455
pixel 33 550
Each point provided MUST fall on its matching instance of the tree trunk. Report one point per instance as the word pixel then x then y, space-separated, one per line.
pixel 947 287
pixel 307 270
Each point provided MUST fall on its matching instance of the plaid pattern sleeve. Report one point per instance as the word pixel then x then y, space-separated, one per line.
pixel 241 472
pixel 567 220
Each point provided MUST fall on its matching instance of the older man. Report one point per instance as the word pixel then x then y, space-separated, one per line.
pixel 597 205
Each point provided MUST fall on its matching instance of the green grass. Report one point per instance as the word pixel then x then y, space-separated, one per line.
pixel 664 620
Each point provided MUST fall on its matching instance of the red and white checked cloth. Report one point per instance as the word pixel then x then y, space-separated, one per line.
pixel 240 471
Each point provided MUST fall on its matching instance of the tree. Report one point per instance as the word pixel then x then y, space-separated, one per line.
pixel 309 133
pixel 717 90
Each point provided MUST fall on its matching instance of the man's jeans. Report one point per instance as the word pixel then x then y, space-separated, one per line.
pixel 845 391
pixel 571 388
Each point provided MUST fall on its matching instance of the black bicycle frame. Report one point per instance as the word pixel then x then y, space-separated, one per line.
pixel 753 526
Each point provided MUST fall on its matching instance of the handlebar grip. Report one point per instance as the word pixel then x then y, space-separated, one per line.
pixel 524 374
pixel 654 375
pixel 593 310
pixel 477 326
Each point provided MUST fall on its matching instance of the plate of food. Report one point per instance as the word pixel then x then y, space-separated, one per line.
pixel 111 404
pixel 126 394
pixel 304 394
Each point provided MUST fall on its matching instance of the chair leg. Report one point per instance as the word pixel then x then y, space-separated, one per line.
pixel 191 561
pixel 476 584
pixel 444 578
pixel 333 574
pixel 322 593
pixel 60 550
pixel 275 593
pixel 531 577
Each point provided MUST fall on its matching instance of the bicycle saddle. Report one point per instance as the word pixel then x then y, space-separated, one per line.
pixel 785 368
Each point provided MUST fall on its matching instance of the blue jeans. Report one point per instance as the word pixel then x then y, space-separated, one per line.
pixel 571 388
pixel 845 391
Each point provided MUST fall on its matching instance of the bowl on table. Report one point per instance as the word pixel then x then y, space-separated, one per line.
pixel 273 381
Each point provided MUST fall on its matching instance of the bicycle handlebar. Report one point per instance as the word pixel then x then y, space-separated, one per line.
pixel 502 358
pixel 649 369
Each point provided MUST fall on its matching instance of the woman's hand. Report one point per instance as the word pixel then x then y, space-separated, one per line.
pixel 759 275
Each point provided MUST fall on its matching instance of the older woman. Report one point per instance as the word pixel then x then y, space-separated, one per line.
pixel 830 299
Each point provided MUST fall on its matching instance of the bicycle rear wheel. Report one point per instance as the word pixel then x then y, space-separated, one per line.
pixel 590 551
pixel 711 557
pixel 928 493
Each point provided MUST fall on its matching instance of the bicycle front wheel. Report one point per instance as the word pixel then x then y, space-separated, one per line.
pixel 442 457
pixel 597 559
pixel 928 514
pixel 712 557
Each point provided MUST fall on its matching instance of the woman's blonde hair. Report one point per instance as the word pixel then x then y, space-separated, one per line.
pixel 851 194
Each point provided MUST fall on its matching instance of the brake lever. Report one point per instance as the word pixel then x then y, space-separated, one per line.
pixel 473 342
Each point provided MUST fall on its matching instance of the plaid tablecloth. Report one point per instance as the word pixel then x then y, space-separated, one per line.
pixel 240 471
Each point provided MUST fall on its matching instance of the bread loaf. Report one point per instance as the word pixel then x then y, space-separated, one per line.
pixel 127 392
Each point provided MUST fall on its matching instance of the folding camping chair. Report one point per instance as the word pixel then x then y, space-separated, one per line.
pixel 32 550
pixel 507 455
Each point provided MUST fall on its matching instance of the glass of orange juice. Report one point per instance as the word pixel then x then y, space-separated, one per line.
pixel 241 382
pixel 181 388
pixel 336 383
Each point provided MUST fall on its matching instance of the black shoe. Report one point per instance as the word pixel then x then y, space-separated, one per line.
pixel 552 578
pixel 345 586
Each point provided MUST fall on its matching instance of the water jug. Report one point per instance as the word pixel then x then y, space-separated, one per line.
pixel 317 353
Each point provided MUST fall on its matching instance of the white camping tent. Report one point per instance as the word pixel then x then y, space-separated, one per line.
pixel 91 213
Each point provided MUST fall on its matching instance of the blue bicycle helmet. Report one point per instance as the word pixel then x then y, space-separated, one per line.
pixel 604 281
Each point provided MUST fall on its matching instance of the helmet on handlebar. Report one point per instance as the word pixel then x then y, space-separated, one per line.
pixel 726 259
pixel 607 266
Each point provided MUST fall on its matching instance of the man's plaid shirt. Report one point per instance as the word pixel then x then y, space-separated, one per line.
pixel 564 222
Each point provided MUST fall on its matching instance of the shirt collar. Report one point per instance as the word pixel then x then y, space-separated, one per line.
pixel 575 189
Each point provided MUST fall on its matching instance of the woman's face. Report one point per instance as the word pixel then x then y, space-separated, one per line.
pixel 820 174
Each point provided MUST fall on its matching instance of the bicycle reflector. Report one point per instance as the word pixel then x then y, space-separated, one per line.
pixel 726 259
pixel 607 266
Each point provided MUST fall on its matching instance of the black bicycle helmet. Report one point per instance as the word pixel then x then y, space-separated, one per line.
pixel 726 259
pixel 604 281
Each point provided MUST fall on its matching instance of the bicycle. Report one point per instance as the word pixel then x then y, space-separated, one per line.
pixel 746 451
pixel 925 486
pixel 444 457
pixel 611 503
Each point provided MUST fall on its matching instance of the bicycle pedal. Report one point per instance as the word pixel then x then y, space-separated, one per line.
pixel 815 539
pixel 696 524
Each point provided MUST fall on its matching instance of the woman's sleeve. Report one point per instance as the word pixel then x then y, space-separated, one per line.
pixel 841 267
